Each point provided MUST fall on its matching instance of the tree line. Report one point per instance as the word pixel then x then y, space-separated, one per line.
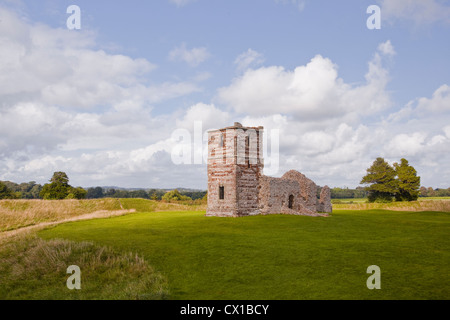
pixel 59 188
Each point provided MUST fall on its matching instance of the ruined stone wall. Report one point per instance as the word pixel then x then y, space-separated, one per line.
pixel 324 203
pixel 308 189
pixel 275 194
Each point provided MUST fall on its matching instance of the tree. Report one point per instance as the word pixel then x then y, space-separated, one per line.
pixel 423 192
pixel 408 183
pixel 94 193
pixel 76 193
pixel 57 189
pixel 154 196
pixel 5 192
pixel 174 195
pixel 381 177
pixel 138 194
pixel 60 178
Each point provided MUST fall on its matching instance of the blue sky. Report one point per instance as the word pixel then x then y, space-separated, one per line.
pixel 102 103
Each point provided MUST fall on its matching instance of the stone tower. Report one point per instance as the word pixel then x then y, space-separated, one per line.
pixel 235 165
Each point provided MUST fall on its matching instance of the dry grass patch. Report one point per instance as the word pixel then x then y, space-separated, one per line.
pixel 442 205
pixel 16 214
pixel 144 205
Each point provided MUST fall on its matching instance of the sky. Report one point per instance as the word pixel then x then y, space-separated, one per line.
pixel 115 101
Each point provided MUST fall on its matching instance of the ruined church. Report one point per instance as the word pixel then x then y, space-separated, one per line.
pixel 237 187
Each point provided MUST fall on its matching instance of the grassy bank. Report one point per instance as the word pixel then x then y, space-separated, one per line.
pixel 143 205
pixel 281 256
pixel 15 214
pixel 31 268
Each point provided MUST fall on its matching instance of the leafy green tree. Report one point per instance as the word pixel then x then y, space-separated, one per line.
pixel 383 184
pixel 35 191
pixel 139 194
pixel 57 189
pixel 154 196
pixel 408 183
pixel 95 193
pixel 76 193
pixel 5 192
pixel 174 195
pixel 60 178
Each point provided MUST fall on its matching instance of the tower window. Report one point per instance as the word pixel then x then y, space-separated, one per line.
pixel 221 193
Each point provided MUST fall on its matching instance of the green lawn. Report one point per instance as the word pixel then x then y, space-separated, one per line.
pixel 282 256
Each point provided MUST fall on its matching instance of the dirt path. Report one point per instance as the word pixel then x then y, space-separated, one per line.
pixel 94 215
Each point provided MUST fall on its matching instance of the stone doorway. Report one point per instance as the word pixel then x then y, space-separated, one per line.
pixel 291 201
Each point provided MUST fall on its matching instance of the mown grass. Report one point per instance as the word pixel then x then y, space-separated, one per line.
pixel 282 256
pixel 31 268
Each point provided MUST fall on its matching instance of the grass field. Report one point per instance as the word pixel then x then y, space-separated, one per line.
pixel 185 255
pixel 283 257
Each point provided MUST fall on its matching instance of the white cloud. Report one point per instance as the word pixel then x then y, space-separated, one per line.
pixel 181 3
pixel 447 131
pixel 210 116
pixel 387 48
pixel 202 76
pixel 418 11
pixel 247 59
pixel 404 145
pixel 61 68
pixel 312 91
pixel 65 105
pixel 427 113
pixel 193 57
pixel 439 103
pixel 299 4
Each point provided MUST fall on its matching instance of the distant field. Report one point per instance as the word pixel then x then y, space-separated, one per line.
pixel 441 204
pixel 362 200
pixel 349 200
